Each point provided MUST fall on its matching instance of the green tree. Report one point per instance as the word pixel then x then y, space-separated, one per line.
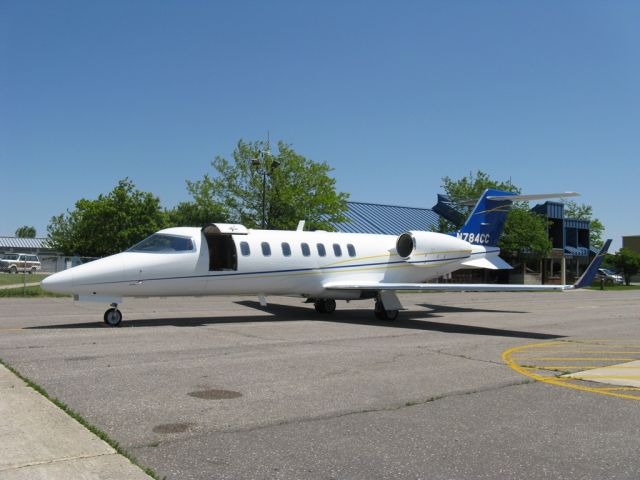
pixel 295 188
pixel 627 262
pixel 525 235
pixel 204 208
pixel 26 232
pixel 109 224
pixel 585 212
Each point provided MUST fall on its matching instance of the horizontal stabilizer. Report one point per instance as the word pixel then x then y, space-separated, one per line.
pixel 492 263
pixel 535 196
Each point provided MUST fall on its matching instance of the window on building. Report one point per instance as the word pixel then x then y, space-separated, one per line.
pixel 286 249
pixel 244 249
pixel 266 249
pixel 321 250
pixel 306 251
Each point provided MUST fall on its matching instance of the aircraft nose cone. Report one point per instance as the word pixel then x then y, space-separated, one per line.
pixel 60 282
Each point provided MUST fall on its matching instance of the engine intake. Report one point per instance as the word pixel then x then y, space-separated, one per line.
pixel 417 246
pixel 405 245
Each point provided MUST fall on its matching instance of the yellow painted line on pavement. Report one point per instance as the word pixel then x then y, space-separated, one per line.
pixel 613 389
pixel 512 358
pixel 630 352
pixel 546 359
pixel 571 367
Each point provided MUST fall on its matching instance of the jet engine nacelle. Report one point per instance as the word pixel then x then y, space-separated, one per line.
pixel 416 246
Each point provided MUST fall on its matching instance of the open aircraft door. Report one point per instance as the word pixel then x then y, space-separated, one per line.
pixel 223 254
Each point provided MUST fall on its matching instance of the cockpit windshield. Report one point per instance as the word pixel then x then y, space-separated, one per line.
pixel 163 243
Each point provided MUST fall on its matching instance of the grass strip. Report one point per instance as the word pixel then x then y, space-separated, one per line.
pixel 30 292
pixel 596 286
pixel 78 418
pixel 19 279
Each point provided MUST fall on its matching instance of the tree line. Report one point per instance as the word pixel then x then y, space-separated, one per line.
pixel 256 187
pixel 289 186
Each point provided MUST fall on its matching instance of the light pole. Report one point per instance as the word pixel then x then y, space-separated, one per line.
pixel 264 167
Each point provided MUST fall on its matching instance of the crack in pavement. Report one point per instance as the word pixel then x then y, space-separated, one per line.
pixel 321 418
pixel 459 355
pixel 56 460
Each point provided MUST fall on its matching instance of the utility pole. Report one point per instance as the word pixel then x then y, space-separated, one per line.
pixel 265 166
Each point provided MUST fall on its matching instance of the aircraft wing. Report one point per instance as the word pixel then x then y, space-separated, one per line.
pixel 443 287
pixel 585 280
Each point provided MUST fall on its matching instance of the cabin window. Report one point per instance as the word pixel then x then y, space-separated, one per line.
pixel 306 251
pixel 266 249
pixel 337 250
pixel 163 243
pixel 352 250
pixel 286 249
pixel 321 250
pixel 244 249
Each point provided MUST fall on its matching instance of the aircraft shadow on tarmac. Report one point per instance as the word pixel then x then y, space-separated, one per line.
pixel 449 308
pixel 414 320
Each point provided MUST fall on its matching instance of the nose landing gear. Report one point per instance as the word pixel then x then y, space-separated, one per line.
pixel 113 316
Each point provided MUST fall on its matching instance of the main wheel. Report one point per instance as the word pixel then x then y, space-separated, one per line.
pixel 382 314
pixel 112 317
pixel 329 305
pixel 325 305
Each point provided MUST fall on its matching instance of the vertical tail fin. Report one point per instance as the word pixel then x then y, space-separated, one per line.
pixel 484 225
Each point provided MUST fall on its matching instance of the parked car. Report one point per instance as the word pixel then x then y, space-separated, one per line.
pixel 609 276
pixel 19 262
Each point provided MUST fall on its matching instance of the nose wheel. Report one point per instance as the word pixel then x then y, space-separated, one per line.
pixel 113 316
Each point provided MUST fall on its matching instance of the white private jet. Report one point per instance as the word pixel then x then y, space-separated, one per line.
pixel 225 259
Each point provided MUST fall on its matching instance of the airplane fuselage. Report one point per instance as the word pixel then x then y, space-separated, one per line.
pixel 229 259
pixel 269 262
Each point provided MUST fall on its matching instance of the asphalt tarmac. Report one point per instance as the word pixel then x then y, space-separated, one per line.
pixel 212 388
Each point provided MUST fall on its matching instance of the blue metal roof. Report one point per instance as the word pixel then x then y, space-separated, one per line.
pixel 581 224
pixel 26 243
pixel 576 251
pixel 550 209
pixel 386 219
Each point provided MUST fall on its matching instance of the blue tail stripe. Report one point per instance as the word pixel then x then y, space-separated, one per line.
pixel 485 224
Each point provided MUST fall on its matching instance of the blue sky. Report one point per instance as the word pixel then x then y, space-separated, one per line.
pixel 393 95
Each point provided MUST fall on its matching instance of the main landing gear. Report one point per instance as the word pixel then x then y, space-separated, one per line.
pixel 325 305
pixel 113 316
pixel 382 314
pixel 328 305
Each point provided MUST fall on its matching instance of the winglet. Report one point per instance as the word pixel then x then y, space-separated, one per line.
pixel 589 274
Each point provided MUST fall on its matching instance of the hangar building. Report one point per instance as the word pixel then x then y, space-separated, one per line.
pixel 632 242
